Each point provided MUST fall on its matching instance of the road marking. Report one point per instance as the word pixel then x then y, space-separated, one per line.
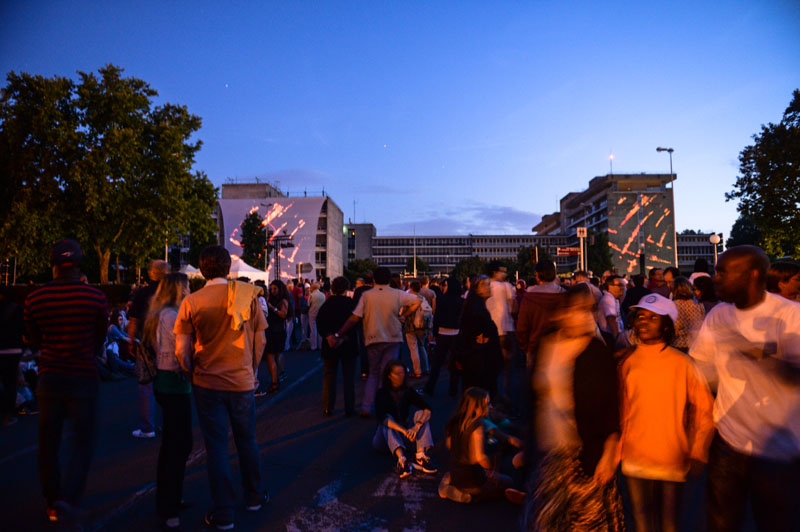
pixel 413 491
pixel 329 514
pixel 194 458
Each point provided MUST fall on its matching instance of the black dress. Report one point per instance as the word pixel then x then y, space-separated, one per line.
pixel 276 331
pixel 480 363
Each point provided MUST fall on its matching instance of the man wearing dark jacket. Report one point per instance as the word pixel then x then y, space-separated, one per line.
pixel 445 327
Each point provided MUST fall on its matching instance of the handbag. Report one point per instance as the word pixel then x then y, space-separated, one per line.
pixel 145 366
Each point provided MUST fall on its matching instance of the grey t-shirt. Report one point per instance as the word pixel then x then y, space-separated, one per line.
pixel 379 309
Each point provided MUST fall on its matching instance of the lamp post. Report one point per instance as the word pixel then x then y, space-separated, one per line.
pixel 672 183
pixel 715 239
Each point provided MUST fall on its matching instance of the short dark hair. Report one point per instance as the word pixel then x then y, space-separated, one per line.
pixel 494 266
pixel 339 286
pixel 382 275
pixel 701 265
pixel 674 271
pixel 653 271
pixel 385 382
pixel 780 272
pixel 705 285
pixel 215 261
pixel 546 271
pixel 638 279
pixel 415 285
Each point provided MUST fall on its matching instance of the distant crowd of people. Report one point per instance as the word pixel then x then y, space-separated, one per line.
pixel 576 382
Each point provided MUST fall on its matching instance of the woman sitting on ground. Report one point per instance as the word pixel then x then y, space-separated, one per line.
pixel 393 403
pixel 472 476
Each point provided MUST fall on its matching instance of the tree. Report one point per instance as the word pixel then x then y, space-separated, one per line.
pixel 98 162
pixel 598 252
pixel 359 268
pixel 254 240
pixel 768 187
pixel 466 267
pixel 422 266
pixel 744 231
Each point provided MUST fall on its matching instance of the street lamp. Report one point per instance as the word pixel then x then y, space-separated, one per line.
pixel 715 239
pixel 672 183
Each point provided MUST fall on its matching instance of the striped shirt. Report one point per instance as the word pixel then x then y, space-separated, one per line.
pixel 67 321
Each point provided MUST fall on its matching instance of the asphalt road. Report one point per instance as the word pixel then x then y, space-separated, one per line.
pixel 321 472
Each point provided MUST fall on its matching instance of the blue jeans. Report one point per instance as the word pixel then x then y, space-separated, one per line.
pixel 215 409
pixel 379 355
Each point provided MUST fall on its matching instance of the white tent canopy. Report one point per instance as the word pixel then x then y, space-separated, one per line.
pixel 240 268
pixel 191 271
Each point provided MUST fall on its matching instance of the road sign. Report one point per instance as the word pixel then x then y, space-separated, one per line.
pixel 572 251
pixel 304 267
pixel 581 232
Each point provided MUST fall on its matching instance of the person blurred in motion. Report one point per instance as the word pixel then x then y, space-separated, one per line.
pixel 315 300
pixel 445 326
pixel 535 311
pixel 633 294
pixel 173 393
pixel 332 315
pixel 749 348
pixel 66 321
pixel 393 404
pixel 502 304
pixel 366 284
pixel 477 348
pixel 472 476
pixel 704 293
pixel 666 416
pixel 783 278
pixel 576 425
pixel 690 314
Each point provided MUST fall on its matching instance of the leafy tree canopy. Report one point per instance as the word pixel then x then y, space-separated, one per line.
pixel 96 161
pixel 254 240
pixel 744 231
pixel 768 187
pixel 466 267
pixel 598 253
pixel 359 268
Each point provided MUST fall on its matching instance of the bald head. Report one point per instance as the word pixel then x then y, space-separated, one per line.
pixel 741 275
pixel 752 257
pixel 157 270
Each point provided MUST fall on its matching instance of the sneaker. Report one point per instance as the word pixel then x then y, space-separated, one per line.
pixel 52 515
pixel 139 433
pixel 403 468
pixel 9 421
pixel 256 506
pixel 425 464
pixel 260 393
pixel 172 523
pixel 211 520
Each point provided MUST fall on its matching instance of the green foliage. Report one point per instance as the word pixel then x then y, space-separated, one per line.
pixel 466 267
pixel 422 266
pixel 359 268
pixel 744 231
pixel 768 187
pixel 253 236
pixel 598 253
pixel 96 161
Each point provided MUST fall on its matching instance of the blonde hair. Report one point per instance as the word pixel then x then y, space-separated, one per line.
pixel 171 291
pixel 473 406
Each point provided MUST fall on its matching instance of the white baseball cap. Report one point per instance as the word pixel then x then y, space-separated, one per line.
pixel 658 304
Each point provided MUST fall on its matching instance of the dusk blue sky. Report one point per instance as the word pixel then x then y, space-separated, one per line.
pixel 455 117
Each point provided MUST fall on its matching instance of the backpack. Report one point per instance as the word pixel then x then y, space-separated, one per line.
pixel 423 317
pixel 145 357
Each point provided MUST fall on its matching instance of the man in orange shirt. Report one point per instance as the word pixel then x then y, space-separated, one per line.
pixel 222 361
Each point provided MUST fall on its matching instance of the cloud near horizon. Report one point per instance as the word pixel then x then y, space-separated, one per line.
pixel 474 218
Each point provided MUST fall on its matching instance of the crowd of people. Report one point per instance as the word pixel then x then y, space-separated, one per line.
pixel 578 383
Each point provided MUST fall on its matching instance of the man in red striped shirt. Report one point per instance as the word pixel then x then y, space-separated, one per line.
pixel 66 320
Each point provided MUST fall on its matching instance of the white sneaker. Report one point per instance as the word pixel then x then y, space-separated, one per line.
pixel 139 433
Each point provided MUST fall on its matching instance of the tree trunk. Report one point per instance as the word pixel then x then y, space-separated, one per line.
pixel 105 258
pixel 117 263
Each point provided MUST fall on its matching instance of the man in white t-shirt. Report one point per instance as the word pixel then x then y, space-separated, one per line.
pixel 609 317
pixel 501 304
pixel 379 309
pixel 749 347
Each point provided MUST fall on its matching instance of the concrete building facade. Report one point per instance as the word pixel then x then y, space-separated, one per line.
pixel 312 225
pixel 357 241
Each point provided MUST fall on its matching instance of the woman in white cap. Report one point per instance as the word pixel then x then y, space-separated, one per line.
pixel 666 417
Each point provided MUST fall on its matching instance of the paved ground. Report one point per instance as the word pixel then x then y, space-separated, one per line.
pixel 321 472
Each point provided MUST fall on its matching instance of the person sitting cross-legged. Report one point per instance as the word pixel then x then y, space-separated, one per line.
pixel 392 407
